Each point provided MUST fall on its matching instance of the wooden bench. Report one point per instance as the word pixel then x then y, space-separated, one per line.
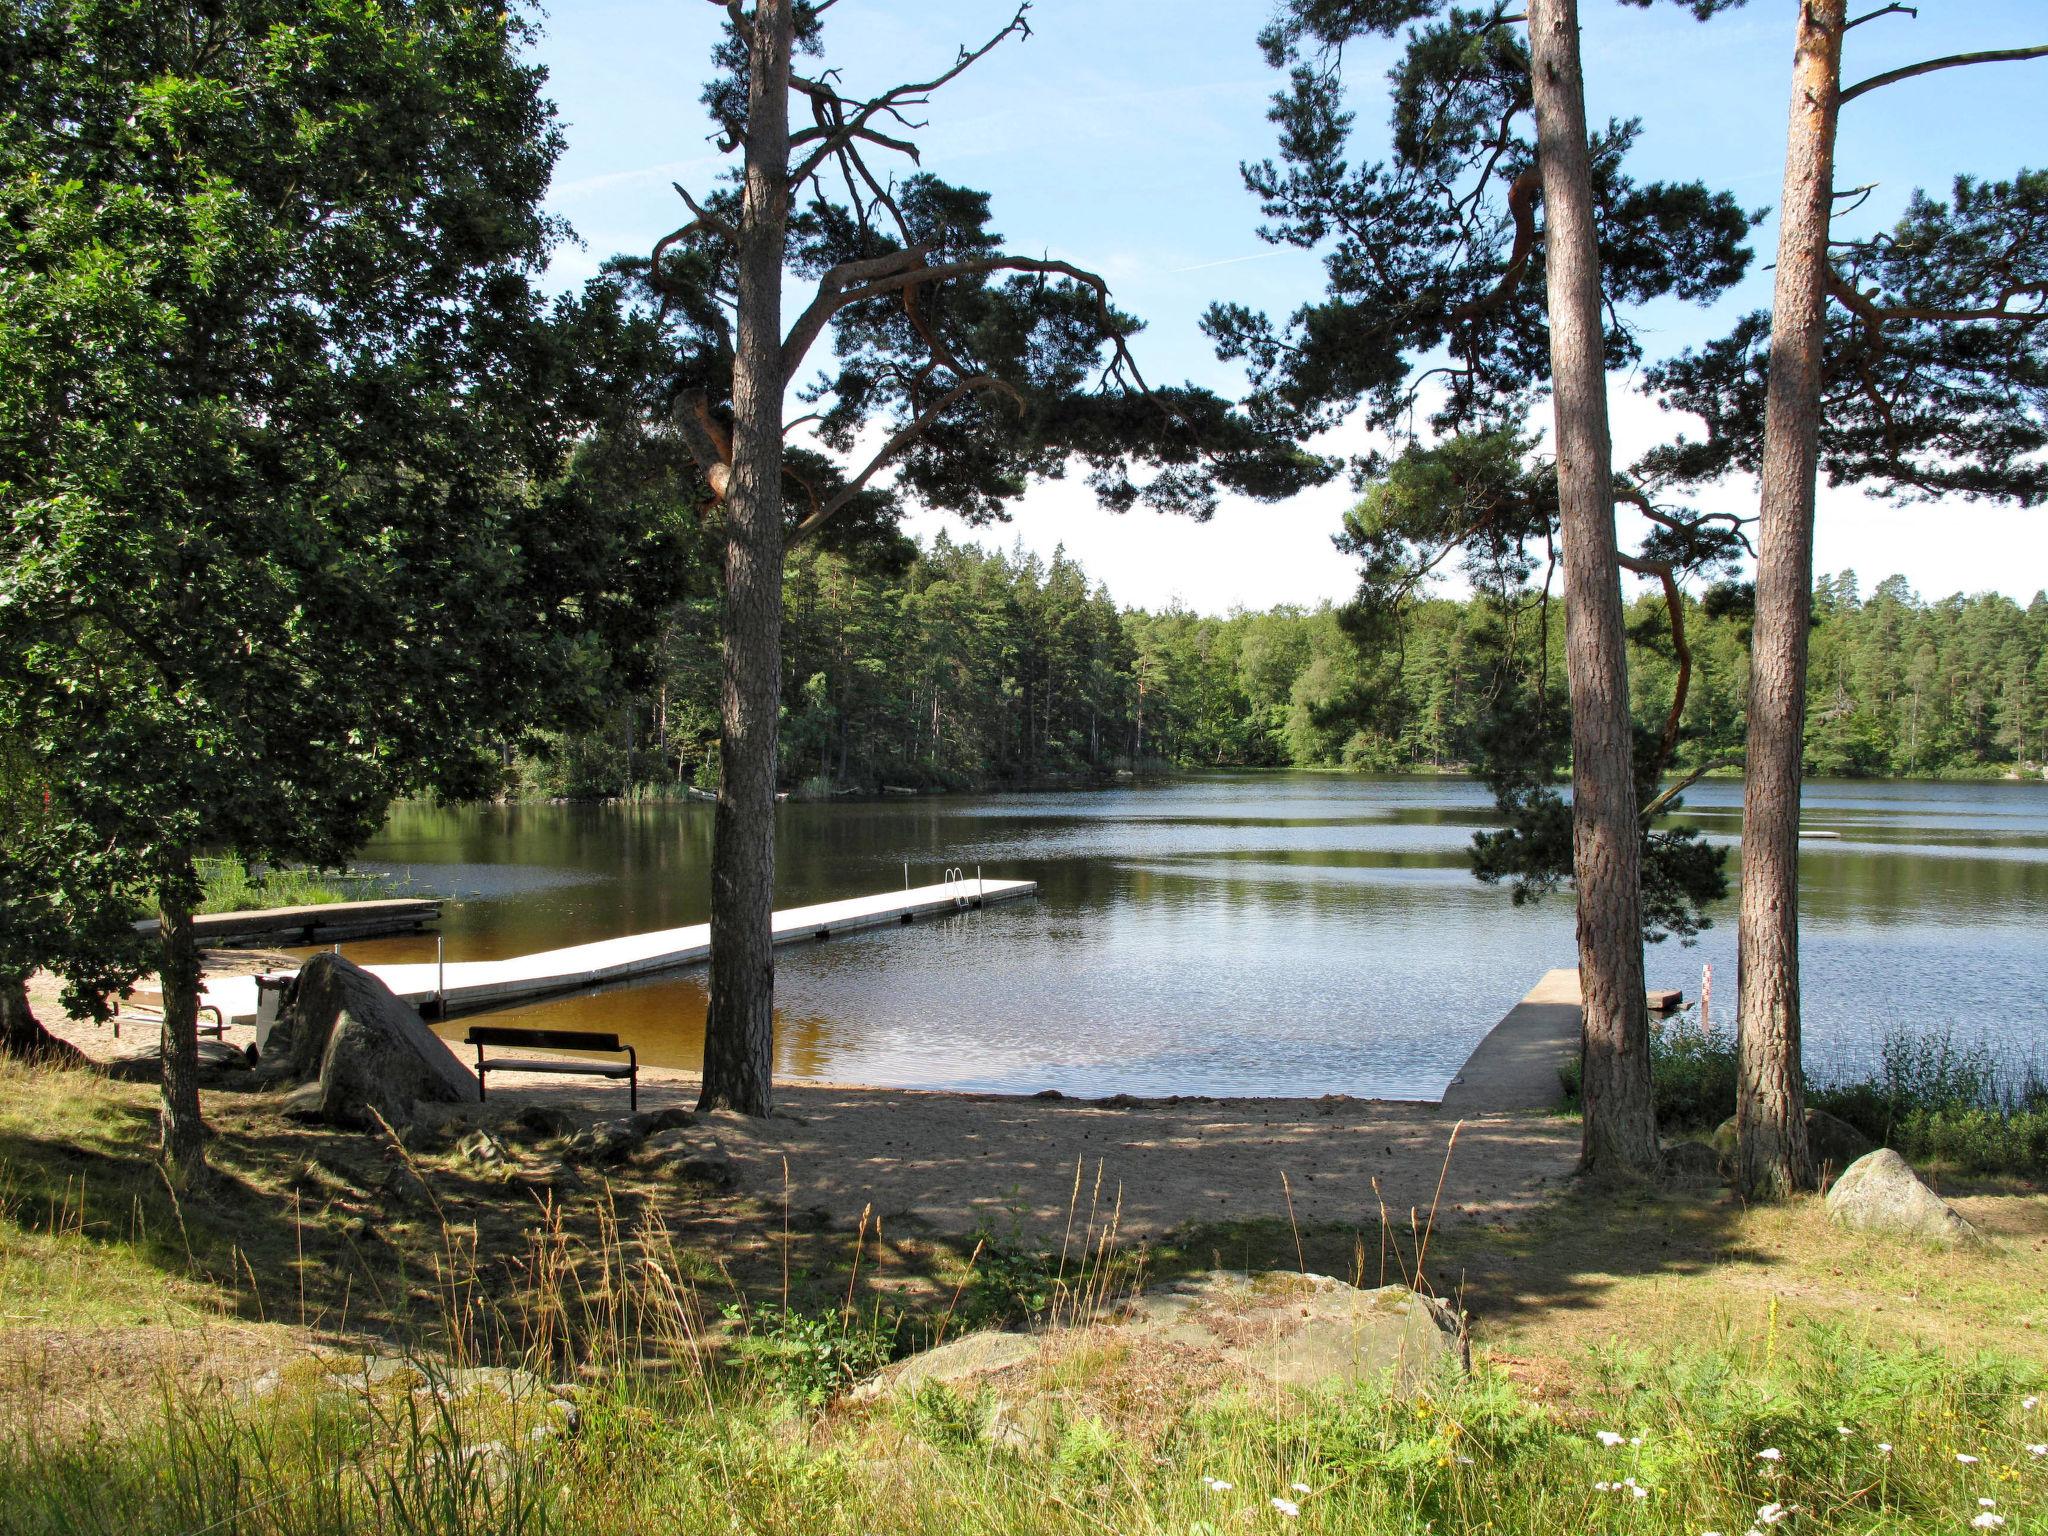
pixel 481 1035
pixel 146 1004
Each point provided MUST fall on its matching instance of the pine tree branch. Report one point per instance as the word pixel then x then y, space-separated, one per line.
pixel 1929 66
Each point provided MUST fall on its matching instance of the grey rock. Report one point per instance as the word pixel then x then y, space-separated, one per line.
pixel 684 1156
pixel 963 1363
pixel 1303 1331
pixel 537 1122
pixel 1881 1193
pixel 1835 1143
pixel 605 1144
pixel 1306 1330
pixel 368 1053
pixel 484 1150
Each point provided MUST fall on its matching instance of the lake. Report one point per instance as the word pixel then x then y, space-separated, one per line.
pixel 1293 934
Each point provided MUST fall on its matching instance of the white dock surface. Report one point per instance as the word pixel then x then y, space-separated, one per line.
pixel 466 986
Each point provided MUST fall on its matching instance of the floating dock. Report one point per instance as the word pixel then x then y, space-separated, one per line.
pixel 471 986
pixel 323 923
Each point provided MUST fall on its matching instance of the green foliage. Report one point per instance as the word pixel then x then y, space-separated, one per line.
pixel 286 515
pixel 1433 253
pixel 227 886
pixel 1932 1098
pixel 810 1357
pixel 1936 385
pixel 957 667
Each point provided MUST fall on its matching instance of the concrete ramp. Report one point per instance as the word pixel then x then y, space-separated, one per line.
pixel 1515 1066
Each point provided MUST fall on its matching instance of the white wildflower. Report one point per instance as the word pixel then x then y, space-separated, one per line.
pixel 1605 1487
pixel 1286 1507
pixel 1608 1438
pixel 1771 1514
pixel 1966 1458
pixel 2029 1404
pixel 1216 1484
pixel 1884 1447
pixel 1844 1431
pixel 1301 1488
pixel 1635 1439
pixel 1770 1453
pixel 1465 1461
pixel 1987 1503
pixel 2037 1450
pixel 1987 1521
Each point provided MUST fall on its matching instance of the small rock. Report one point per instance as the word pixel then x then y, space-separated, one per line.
pixel 1048 1094
pixel 537 1122
pixel 605 1143
pixel 1881 1193
pixel 484 1150
pixel 686 1157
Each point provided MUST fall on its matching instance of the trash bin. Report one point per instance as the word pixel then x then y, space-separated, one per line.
pixel 270 991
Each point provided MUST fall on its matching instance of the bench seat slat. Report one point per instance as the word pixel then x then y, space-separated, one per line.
pixel 586 1068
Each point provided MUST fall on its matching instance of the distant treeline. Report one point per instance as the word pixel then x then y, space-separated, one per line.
pixel 971 668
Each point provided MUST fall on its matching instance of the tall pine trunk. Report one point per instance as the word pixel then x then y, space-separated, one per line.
pixel 183 1132
pixel 1620 1134
pixel 739 1029
pixel 1772 1158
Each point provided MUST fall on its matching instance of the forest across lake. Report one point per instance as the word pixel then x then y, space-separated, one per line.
pixel 952 665
pixel 1232 934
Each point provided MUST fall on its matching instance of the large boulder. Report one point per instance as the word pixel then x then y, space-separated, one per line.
pixel 360 1049
pixel 1833 1141
pixel 1214 1331
pixel 1304 1330
pixel 1881 1193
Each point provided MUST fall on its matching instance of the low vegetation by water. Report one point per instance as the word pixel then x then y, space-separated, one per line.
pixel 967 667
pixel 231 886
pixel 1655 1361
pixel 1934 1098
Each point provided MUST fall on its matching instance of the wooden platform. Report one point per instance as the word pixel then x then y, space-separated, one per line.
pixel 324 923
pixel 472 986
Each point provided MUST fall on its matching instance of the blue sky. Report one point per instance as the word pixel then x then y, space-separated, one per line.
pixel 1112 137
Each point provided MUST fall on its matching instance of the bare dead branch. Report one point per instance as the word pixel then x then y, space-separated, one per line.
pixel 706 438
pixel 1890 10
pixel 1691 777
pixel 1522 197
pixel 900 439
pixel 1929 66
pixel 1674 605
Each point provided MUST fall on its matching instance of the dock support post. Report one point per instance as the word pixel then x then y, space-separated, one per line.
pixel 906 874
pixel 440 977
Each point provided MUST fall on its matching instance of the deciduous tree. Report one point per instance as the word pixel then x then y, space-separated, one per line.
pixel 282 425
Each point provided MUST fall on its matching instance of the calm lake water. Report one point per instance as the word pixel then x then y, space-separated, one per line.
pixel 1218 934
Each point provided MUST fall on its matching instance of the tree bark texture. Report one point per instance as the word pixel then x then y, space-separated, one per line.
pixel 22 1035
pixel 739 1029
pixel 1773 1159
pixel 1620 1129
pixel 183 1132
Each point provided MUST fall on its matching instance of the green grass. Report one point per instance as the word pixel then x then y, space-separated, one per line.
pixel 229 888
pixel 1710 1330
pixel 727 1450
